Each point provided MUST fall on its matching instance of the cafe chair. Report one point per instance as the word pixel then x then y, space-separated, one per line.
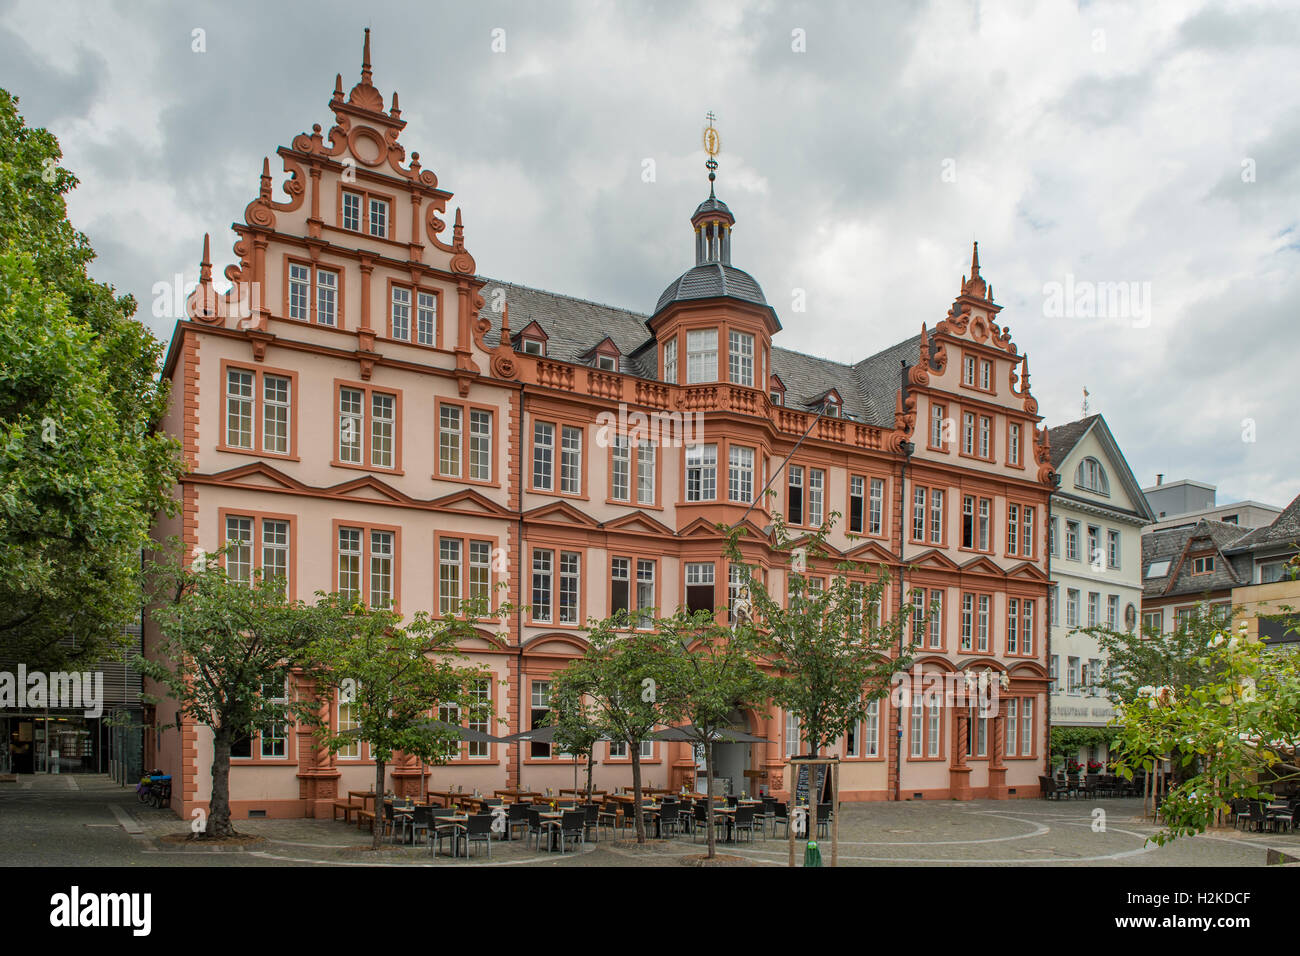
pixel 572 826
pixel 478 829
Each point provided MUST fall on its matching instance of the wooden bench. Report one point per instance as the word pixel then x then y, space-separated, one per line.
pixel 348 807
pixel 363 816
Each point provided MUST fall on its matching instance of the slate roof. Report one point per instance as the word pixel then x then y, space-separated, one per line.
pixel 1063 438
pixel 573 326
pixel 1173 543
pixel 708 281
pixel 712 204
pixel 1285 530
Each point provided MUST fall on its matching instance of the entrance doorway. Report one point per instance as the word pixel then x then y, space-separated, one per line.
pixel 730 760
pixel 57 742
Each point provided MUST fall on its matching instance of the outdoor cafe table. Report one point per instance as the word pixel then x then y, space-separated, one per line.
pixel 472 803
pixel 365 795
pixel 448 797
pixel 516 795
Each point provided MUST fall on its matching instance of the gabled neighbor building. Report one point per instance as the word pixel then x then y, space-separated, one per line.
pixel 1189 571
pixel 1095 543
pixel 1268 601
pixel 365 412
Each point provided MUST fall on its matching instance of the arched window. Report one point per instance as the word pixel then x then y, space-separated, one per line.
pixel 1092 477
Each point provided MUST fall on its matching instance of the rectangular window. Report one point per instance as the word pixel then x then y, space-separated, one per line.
pixel 480 572
pixel 449 576
pixel 740 474
pixel 986 429
pixel 1027 531
pixel 699 586
pixel 347 720
pixel 542 561
pixel 701 472
pixel 735 581
pixel 741 358
pixel 352 211
pixel 645 591
pixel 1203 565
pixel 1074 677
pixel 571 460
pixel 936 516
pixel 982 634
pixel 383 421
pixel 1013 445
pixel 350 428
pixel 917 716
pixel 968 433
pixel 985 506
pixel 875 523
pixel 349 548
pixel 619 586
pixel 1013 529
pixel 934 716
pixel 327 297
pixel 1013 626
pixel 1054 604
pixel 426 318
pixel 1094 545
pixel 1153 621
pixel 1071 607
pixel 480 444
pixel 539 712
pixel 543 456
pixel 620 479
pixel 275 552
pixel 645 473
pixel 381 569
pixel 968 521
pixel 857 504
pixel 569 585
pixel 1026 726
pixel 482 692
pixel 816 484
pixel 1112 611
pixel 1027 627
pixel 449 440
pixel 967 620
pixel 918 615
pixel 1112 549
pixel 400 314
pixel 936 425
pixel 794 495
pixel 871 730
pixel 918 514
pixel 701 356
pixel 1053 672
pixel 299 292
pixel 1053 539
pixel 275 414
pixel 936 617
pixel 239 408
pixel 670 361
pixel 379 218
pixel 968 370
pixel 1072 540
pixel 791 734
pixel 986 375
pixel 239 556
pixel 1094 608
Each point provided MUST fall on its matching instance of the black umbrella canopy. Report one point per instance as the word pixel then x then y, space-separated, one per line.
pixel 542 735
pixel 694 734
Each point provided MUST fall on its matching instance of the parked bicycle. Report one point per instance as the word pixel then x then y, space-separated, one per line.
pixel 155 789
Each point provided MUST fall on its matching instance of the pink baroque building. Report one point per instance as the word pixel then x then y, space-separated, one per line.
pixel 364 411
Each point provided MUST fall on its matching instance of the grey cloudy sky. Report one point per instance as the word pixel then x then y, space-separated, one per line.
pixel 1149 143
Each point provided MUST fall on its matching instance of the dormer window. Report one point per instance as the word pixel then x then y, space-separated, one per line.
pixel 1203 564
pixel 607 363
pixel 831 409
pixel 776 397
pixel 532 347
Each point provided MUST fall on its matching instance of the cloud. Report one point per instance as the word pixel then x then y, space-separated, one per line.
pixel 864 148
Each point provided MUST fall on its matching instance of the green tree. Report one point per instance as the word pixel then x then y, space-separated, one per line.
pixel 714 673
pixel 1149 657
pixel 623 675
pixel 1235 735
pixel 225 654
pixel 576 732
pixel 396 676
pixel 83 470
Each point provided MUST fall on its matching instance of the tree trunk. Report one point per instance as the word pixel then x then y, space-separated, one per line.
pixel 708 796
pixel 591 758
pixel 377 831
pixel 637 815
pixel 218 824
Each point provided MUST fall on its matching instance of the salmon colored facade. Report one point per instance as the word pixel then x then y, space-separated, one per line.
pixel 359 411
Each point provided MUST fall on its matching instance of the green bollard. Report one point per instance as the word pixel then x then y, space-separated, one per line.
pixel 811 855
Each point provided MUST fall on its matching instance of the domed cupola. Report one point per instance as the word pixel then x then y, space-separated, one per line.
pixel 713 275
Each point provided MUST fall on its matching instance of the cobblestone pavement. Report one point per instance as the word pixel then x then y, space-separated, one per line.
pixel 91 821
